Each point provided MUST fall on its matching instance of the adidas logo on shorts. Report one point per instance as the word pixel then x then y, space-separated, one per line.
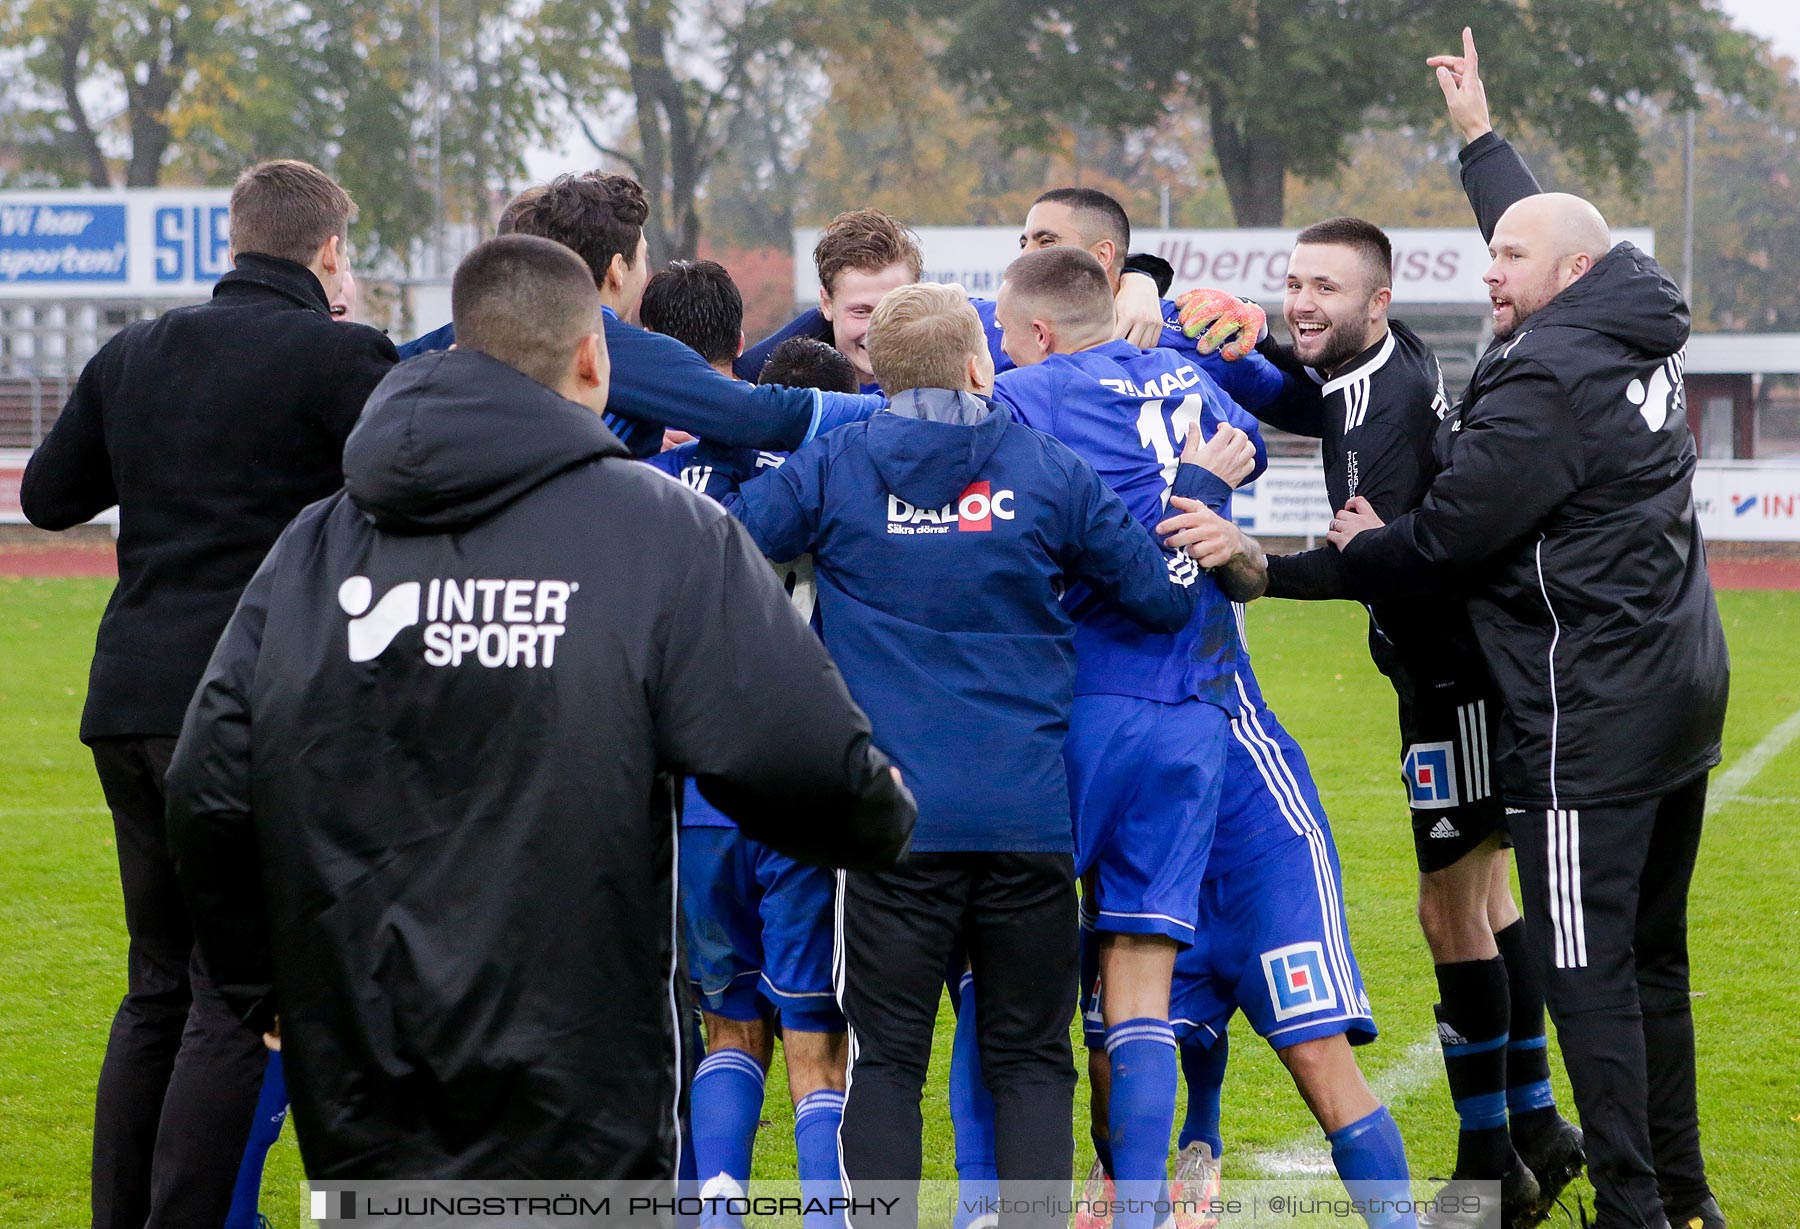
pixel 1444 830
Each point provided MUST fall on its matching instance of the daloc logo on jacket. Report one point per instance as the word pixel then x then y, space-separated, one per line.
pixel 973 512
pixel 496 623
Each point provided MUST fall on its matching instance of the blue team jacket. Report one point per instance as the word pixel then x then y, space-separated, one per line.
pixel 657 382
pixel 1125 412
pixel 940 551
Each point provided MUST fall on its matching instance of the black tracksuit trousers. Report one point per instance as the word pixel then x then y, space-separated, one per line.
pixel 179 1084
pixel 1606 898
pixel 1015 915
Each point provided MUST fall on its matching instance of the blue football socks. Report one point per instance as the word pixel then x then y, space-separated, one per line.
pixel 1141 1113
pixel 727 1105
pixel 816 1121
pixel 265 1129
pixel 1203 1070
pixel 971 1114
pixel 1371 1159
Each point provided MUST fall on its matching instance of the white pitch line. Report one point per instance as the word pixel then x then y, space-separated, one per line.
pixel 1305 1156
pixel 1746 767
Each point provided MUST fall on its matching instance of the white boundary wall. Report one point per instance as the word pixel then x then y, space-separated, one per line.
pixel 1745 501
pixel 1738 501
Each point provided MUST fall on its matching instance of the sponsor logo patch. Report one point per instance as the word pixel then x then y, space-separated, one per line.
pixel 973 511
pixel 1665 396
pixel 1430 770
pixel 1298 985
pixel 493 623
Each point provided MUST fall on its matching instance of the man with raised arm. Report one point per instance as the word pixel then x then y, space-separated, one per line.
pixel 1564 510
pixel 1371 390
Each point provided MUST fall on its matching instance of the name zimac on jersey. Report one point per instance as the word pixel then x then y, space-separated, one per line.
pixel 496 622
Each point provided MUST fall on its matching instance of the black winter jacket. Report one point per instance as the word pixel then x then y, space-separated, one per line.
pixel 209 427
pixel 423 805
pixel 1565 505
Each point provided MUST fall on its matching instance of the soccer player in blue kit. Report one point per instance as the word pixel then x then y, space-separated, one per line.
pixel 1272 942
pixel 1263 925
pixel 1145 752
pixel 758 925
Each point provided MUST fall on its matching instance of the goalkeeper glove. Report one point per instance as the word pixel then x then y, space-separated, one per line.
pixel 1222 322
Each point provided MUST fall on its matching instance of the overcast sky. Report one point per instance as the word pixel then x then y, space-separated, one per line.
pixel 1776 20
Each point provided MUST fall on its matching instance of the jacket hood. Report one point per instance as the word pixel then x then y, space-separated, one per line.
pixel 927 463
pixel 1627 296
pixel 450 438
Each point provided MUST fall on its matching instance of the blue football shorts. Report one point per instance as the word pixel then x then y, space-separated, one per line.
pixel 1144 785
pixel 759 931
pixel 1271 938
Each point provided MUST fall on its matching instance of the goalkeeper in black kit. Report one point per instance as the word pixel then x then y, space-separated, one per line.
pixel 1372 392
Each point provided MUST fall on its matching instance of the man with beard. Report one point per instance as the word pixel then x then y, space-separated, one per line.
pixel 1372 392
pixel 1565 511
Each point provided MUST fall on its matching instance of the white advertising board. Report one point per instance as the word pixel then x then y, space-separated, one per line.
pixel 1442 266
pixel 12 472
pixel 1748 501
pixel 1288 501
pixel 129 243
pixel 1738 501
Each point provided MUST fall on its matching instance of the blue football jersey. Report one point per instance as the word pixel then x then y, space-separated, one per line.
pixel 1126 412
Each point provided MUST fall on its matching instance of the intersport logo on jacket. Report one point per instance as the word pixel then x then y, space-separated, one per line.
pixel 973 511
pixel 494 623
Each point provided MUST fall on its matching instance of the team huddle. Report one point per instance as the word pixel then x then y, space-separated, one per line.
pixel 1210 880
pixel 989 725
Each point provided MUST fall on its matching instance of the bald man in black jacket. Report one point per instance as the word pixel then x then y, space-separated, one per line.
pixel 1565 506
pixel 209 427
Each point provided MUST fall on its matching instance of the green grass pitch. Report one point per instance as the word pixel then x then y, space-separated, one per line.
pixel 62 939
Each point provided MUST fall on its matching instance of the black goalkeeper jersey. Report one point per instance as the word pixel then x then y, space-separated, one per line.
pixel 1378 419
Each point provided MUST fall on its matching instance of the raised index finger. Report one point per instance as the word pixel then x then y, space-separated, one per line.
pixel 1469 55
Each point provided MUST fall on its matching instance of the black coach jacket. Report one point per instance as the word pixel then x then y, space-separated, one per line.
pixel 422 803
pixel 1565 507
pixel 210 427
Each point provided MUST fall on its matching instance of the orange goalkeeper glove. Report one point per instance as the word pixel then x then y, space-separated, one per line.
pixel 1221 321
